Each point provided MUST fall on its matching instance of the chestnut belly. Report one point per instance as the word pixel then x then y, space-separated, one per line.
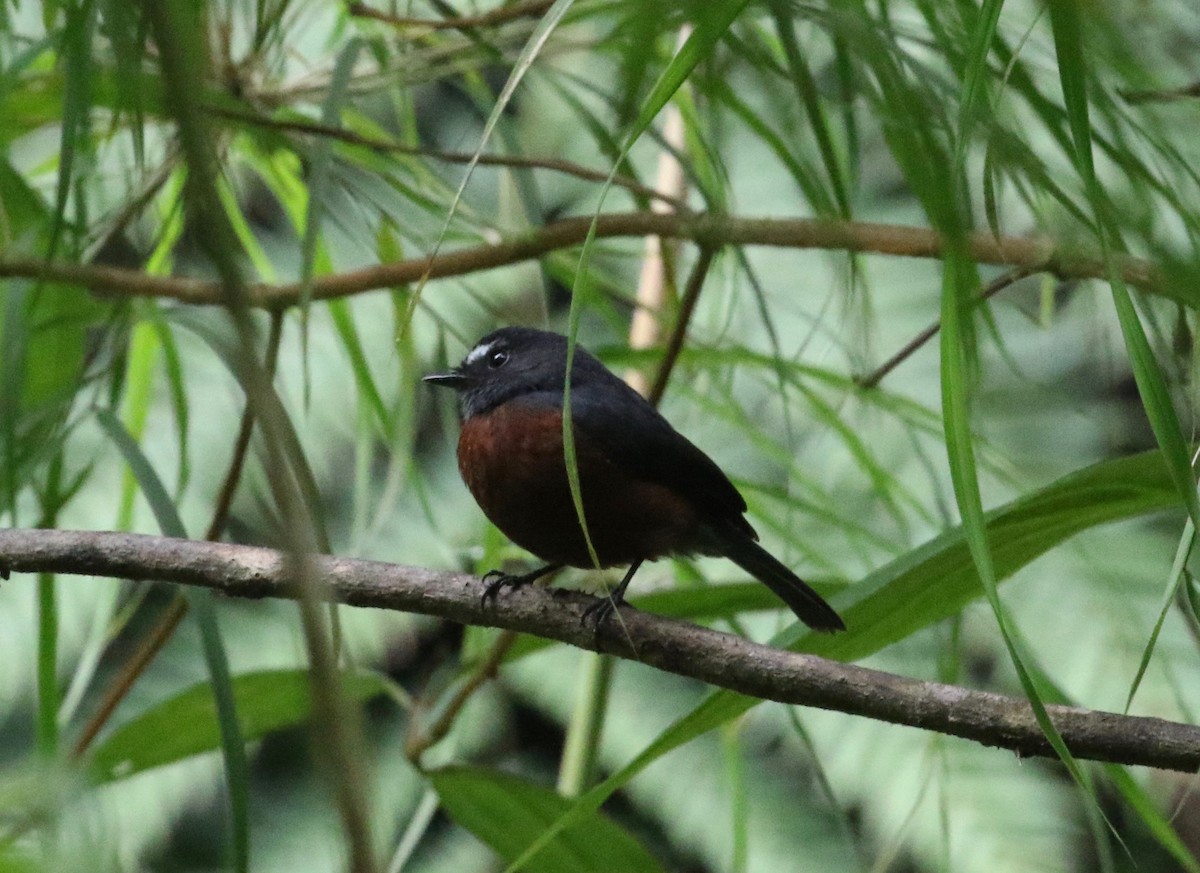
pixel 511 459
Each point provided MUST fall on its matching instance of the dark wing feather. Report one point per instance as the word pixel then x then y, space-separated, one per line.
pixel 628 429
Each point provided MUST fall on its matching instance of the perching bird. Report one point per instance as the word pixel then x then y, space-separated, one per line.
pixel 647 491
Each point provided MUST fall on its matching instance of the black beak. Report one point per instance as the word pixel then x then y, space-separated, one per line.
pixel 454 379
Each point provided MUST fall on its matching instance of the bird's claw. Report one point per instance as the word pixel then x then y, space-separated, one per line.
pixel 495 580
pixel 600 612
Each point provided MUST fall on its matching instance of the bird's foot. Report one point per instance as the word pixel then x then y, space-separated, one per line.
pixel 601 611
pixel 496 580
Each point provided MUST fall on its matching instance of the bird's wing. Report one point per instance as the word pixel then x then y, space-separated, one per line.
pixel 619 421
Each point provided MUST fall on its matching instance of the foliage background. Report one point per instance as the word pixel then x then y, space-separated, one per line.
pixel 951 116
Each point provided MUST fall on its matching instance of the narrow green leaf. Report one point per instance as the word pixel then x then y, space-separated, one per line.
pixel 712 713
pixel 245 234
pixel 710 26
pixel 1072 73
pixel 964 476
pixel 1156 398
pixel 233 747
pixel 142 356
pixel 1175 578
pixel 225 348
pixel 806 89
pixel 1151 383
pixel 805 177
pixel 175 385
pixel 147 479
pixel 532 48
pixel 735 772
pixel 233 742
pixel 76 51
pixel 186 723
pixel 47 668
pixel 509 813
pixel 343 322
pixel 319 179
pixel 974 89
pixel 1147 809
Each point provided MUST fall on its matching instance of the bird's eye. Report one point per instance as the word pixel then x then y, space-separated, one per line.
pixel 497 359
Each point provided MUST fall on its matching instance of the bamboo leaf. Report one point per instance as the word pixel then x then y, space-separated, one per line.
pixel 508 813
pixel 237 770
pixel 186 724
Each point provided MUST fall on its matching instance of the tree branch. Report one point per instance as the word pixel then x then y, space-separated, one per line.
pixel 706 229
pixel 688 650
pixel 503 15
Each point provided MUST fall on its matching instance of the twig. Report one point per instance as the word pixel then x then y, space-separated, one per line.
pixel 149 647
pixel 388 146
pixel 678 647
pixel 687 306
pixel 707 229
pixel 503 15
pixel 872 379
pixel 418 741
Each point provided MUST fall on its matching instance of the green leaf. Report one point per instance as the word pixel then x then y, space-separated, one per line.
pixel 709 28
pixel 147 479
pixel 186 724
pixel 319 186
pixel 509 813
pixel 220 687
pixel 974 78
pixel 806 90
pixel 709 715
pixel 1175 578
pixel 76 52
pixel 1156 398
pixel 1151 382
pixel 173 365
pixel 939 578
pixel 1147 808
pixel 343 322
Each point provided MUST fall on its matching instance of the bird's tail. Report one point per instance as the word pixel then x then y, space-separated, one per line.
pixel 808 605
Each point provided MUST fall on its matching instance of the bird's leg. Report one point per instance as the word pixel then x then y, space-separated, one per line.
pixel 604 608
pixel 494 580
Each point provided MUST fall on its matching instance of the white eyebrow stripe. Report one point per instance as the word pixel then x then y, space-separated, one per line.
pixel 478 352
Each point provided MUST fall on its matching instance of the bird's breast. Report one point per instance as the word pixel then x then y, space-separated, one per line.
pixel 512 460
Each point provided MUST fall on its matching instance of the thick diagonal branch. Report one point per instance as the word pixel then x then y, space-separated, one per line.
pixel 688 650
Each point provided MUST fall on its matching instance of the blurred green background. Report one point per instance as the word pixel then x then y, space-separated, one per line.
pixel 343 141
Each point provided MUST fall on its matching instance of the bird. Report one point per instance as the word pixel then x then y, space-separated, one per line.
pixel 647 491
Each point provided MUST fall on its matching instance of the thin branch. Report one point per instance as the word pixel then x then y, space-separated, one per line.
pixel 419 740
pixel 872 379
pixel 707 229
pixel 687 305
pixel 133 667
pixel 503 15
pixel 388 146
pixel 678 647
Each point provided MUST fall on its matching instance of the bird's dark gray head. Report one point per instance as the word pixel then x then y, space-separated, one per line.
pixel 513 361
